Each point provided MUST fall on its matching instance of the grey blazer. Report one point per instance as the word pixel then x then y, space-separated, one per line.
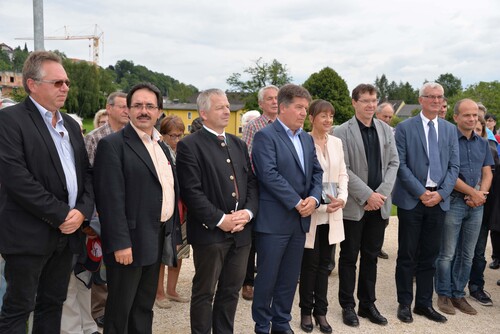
pixel 357 167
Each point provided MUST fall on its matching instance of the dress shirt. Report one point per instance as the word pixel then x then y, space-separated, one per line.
pixel 474 155
pixel 64 149
pixel 251 129
pixel 163 170
pixel 425 123
pixel 372 151
pixel 294 137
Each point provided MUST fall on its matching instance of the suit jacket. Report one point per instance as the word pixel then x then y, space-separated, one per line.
pixel 207 186
pixel 335 172
pixel 357 167
pixel 282 182
pixel 128 197
pixel 33 192
pixel 412 175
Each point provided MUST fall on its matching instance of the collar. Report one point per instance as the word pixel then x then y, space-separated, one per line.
pixel 362 126
pixel 426 120
pixel 215 133
pixel 44 112
pixel 143 135
pixel 288 130
pixel 461 135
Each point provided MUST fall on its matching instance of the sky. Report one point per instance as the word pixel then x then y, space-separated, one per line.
pixel 203 42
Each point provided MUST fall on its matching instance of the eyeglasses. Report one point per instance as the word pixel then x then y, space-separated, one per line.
pixel 375 101
pixel 148 107
pixel 119 107
pixel 176 137
pixel 434 97
pixel 56 83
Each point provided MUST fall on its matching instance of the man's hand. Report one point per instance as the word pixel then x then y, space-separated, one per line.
pixel 375 201
pixel 306 206
pixel 235 222
pixel 478 197
pixel 124 256
pixel 89 231
pixel 73 221
pixel 334 204
pixel 432 199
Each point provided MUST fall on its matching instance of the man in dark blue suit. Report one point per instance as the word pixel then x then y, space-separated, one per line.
pixel 289 177
pixel 428 170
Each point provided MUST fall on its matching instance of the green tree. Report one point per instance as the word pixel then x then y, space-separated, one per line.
pixel 19 58
pixel 260 75
pixel 5 63
pixel 328 85
pixel 382 85
pixel 488 93
pixel 451 84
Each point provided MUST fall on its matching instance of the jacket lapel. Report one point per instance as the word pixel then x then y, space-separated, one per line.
pixel 288 143
pixel 418 124
pixel 132 139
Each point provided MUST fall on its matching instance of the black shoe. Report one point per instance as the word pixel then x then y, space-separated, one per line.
pixel 498 282
pixel 383 255
pixel 349 316
pixel 288 331
pixel 404 313
pixel 324 326
pixel 99 321
pixel 430 313
pixel 495 264
pixel 306 323
pixel 372 314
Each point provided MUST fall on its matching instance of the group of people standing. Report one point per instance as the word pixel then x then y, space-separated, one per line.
pixel 288 194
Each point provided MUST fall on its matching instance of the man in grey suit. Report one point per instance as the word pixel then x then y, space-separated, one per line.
pixel 372 164
pixel 428 152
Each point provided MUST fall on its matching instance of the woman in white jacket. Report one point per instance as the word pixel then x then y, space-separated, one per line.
pixel 327 227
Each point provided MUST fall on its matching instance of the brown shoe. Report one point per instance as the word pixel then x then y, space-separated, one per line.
pixel 463 305
pixel 247 292
pixel 445 305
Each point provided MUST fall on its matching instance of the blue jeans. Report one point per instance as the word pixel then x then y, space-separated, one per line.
pixel 460 233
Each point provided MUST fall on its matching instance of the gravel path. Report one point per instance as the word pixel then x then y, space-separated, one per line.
pixel 176 319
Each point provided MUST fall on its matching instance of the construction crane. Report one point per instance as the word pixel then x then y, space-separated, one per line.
pixel 95 38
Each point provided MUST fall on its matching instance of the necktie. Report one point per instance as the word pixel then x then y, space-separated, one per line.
pixel 435 171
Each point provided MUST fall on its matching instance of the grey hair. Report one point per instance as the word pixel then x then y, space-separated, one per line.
pixel 431 85
pixel 381 106
pixel 260 94
pixel 203 100
pixel 112 97
pixel 32 68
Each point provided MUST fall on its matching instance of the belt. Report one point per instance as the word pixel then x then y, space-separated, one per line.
pixel 431 188
pixel 458 194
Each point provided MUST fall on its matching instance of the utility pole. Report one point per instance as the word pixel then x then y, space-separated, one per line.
pixel 38 25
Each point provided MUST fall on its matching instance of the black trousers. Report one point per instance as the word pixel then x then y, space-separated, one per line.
pixel 364 238
pixel 313 286
pixel 419 238
pixel 250 274
pixel 36 283
pixel 219 271
pixel 495 244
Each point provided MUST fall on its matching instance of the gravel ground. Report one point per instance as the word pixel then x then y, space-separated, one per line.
pixel 176 319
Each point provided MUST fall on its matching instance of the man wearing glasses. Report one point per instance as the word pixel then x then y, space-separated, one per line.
pixel 136 196
pixel 45 196
pixel 428 171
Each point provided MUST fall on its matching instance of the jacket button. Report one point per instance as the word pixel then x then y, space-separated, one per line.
pixel 233 194
pixel 228 161
pixel 231 177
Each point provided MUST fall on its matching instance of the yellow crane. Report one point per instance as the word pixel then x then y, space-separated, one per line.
pixel 95 38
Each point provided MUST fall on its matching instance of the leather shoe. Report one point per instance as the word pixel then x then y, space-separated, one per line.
pixel 324 326
pixel 372 314
pixel 288 331
pixel 495 264
pixel 306 323
pixel 430 313
pixel 247 292
pixel 349 317
pixel 404 313
pixel 383 255
pixel 99 321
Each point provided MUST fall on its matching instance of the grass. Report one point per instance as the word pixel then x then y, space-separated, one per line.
pixel 88 124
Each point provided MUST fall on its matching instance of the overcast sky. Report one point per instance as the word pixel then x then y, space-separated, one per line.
pixel 202 42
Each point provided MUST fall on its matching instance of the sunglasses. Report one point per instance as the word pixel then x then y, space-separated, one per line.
pixel 57 83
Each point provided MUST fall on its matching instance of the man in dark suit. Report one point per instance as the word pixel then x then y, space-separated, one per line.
pixel 135 192
pixel 220 192
pixel 290 179
pixel 45 196
pixel 428 170
pixel 372 163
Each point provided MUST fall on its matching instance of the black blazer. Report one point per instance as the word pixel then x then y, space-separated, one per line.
pixel 128 197
pixel 33 192
pixel 207 188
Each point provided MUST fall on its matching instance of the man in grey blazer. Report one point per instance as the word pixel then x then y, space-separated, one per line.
pixel 428 151
pixel 372 164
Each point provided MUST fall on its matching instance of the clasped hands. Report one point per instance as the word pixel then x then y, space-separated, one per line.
pixel 477 198
pixel 430 198
pixel 306 206
pixel 235 221
pixel 375 201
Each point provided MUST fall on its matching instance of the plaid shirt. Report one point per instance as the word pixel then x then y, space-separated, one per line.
pixel 93 138
pixel 251 129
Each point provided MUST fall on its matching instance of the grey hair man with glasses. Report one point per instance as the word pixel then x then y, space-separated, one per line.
pixel 428 170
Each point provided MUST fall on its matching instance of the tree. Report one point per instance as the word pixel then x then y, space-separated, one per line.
pixel 19 58
pixel 261 74
pixel 488 93
pixel 328 85
pixel 382 85
pixel 451 84
pixel 393 91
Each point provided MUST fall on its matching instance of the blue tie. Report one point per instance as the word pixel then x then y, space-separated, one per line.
pixel 435 162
